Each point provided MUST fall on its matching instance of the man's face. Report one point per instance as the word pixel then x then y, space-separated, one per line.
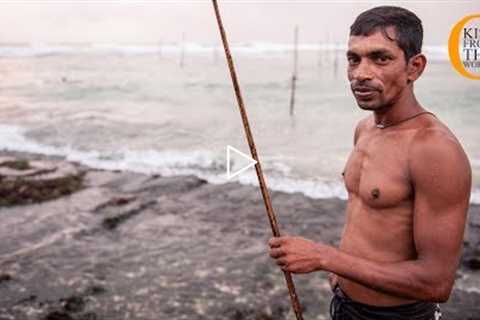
pixel 376 69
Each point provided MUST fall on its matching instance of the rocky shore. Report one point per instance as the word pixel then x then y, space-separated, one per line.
pixel 81 243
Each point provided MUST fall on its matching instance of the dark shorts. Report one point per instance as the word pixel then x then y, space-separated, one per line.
pixel 344 308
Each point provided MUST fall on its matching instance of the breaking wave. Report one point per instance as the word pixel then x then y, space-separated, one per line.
pixel 201 163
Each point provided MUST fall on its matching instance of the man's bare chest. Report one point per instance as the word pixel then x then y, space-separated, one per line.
pixel 377 171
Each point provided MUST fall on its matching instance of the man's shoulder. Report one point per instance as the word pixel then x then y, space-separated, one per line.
pixel 439 168
pixel 361 126
pixel 365 121
pixel 435 151
pixel 434 135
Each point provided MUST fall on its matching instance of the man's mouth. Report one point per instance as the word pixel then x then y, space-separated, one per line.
pixel 363 92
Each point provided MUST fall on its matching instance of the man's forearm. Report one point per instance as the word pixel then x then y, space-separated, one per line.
pixel 412 279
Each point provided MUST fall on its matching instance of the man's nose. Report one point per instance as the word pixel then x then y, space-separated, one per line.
pixel 362 72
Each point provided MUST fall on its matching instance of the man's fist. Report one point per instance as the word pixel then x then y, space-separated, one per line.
pixel 296 254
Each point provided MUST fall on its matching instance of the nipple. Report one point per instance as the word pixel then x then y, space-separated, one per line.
pixel 375 193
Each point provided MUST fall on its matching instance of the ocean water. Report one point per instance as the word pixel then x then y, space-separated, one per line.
pixel 144 108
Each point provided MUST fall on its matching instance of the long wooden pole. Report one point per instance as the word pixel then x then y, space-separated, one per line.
pixel 294 76
pixel 266 197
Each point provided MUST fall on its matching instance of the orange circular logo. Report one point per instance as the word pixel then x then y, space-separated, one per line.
pixel 464 46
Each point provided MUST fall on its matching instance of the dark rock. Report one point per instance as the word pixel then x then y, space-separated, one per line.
pixel 4 277
pixel 471 258
pixel 18 190
pixel 113 222
pixel 473 263
pixel 95 290
pixel 236 314
pixel 58 315
pixel 263 316
pixel 17 164
pixel 29 299
pixel 115 202
pixel 74 304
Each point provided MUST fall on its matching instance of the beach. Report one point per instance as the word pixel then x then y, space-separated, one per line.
pixel 116 121
pixel 127 245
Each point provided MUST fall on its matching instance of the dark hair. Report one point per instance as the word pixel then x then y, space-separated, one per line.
pixel 408 27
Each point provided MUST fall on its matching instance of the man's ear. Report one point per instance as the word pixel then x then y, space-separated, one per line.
pixel 415 67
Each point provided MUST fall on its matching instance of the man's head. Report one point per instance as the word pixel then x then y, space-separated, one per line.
pixel 384 55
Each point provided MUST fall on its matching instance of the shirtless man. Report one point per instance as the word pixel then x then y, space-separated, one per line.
pixel 408 181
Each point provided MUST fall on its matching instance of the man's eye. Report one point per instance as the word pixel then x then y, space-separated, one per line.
pixel 382 59
pixel 353 60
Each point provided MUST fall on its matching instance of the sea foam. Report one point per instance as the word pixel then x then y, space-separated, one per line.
pixel 201 163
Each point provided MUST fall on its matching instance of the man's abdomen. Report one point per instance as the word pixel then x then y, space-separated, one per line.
pixel 382 235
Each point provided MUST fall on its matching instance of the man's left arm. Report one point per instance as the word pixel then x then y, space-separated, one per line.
pixel 441 177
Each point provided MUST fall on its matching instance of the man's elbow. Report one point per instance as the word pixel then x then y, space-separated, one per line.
pixel 434 283
pixel 443 292
pixel 438 291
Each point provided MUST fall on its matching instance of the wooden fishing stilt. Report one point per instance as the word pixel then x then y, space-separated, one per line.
pixel 335 62
pixel 182 53
pixel 320 55
pixel 266 197
pixel 294 76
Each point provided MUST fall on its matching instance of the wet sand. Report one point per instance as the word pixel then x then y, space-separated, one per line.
pixel 125 245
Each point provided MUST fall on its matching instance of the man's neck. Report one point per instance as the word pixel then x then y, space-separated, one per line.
pixel 405 107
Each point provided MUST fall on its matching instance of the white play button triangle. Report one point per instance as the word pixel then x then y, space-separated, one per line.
pixel 250 162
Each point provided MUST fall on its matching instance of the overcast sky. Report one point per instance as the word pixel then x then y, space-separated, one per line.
pixel 246 21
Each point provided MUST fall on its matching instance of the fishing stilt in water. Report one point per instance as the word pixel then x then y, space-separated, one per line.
pixel 294 75
pixel 320 55
pixel 182 52
pixel 335 63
